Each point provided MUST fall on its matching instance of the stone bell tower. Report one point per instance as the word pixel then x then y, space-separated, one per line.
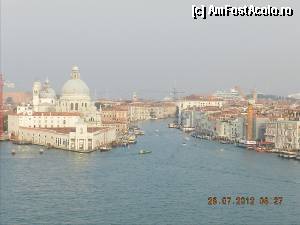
pixel 36 95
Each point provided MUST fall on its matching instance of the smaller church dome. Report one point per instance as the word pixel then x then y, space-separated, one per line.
pixel 47 91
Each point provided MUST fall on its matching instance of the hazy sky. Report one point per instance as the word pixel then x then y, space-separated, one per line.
pixel 145 46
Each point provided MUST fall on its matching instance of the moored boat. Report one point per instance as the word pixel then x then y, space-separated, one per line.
pixel 287 154
pixel 172 125
pixel 105 148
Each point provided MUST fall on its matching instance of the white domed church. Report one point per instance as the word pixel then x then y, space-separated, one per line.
pixel 70 121
pixel 75 97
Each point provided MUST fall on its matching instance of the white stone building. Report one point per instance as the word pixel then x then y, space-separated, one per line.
pixel 197 102
pixel 284 134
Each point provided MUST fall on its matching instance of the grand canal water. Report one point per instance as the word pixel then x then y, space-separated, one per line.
pixel 169 186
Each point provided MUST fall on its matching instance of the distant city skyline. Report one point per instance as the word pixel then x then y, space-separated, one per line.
pixel 144 49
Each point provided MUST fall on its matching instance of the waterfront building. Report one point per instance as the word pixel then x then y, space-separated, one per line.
pixel 190 119
pixel 194 101
pixel 79 138
pixel 210 121
pixel 150 110
pixel 205 125
pixel 260 125
pixel 73 116
pixel 116 116
pixel 231 129
pixel 285 134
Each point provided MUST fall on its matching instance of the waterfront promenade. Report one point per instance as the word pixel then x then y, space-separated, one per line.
pixel 169 186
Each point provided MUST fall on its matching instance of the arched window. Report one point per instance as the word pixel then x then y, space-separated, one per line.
pixel 76 106
pixel 72 106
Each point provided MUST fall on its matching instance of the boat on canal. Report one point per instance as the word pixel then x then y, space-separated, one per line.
pixel 142 152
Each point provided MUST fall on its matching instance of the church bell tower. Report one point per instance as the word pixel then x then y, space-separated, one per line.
pixel 36 94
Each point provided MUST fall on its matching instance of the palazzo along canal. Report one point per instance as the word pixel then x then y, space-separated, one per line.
pixel 169 186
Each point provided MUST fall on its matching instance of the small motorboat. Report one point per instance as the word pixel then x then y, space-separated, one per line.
pixel 41 151
pixel 141 152
pixel 183 143
pixel 157 130
pixel 13 152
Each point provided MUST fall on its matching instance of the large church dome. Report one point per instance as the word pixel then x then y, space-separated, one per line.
pixel 75 87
